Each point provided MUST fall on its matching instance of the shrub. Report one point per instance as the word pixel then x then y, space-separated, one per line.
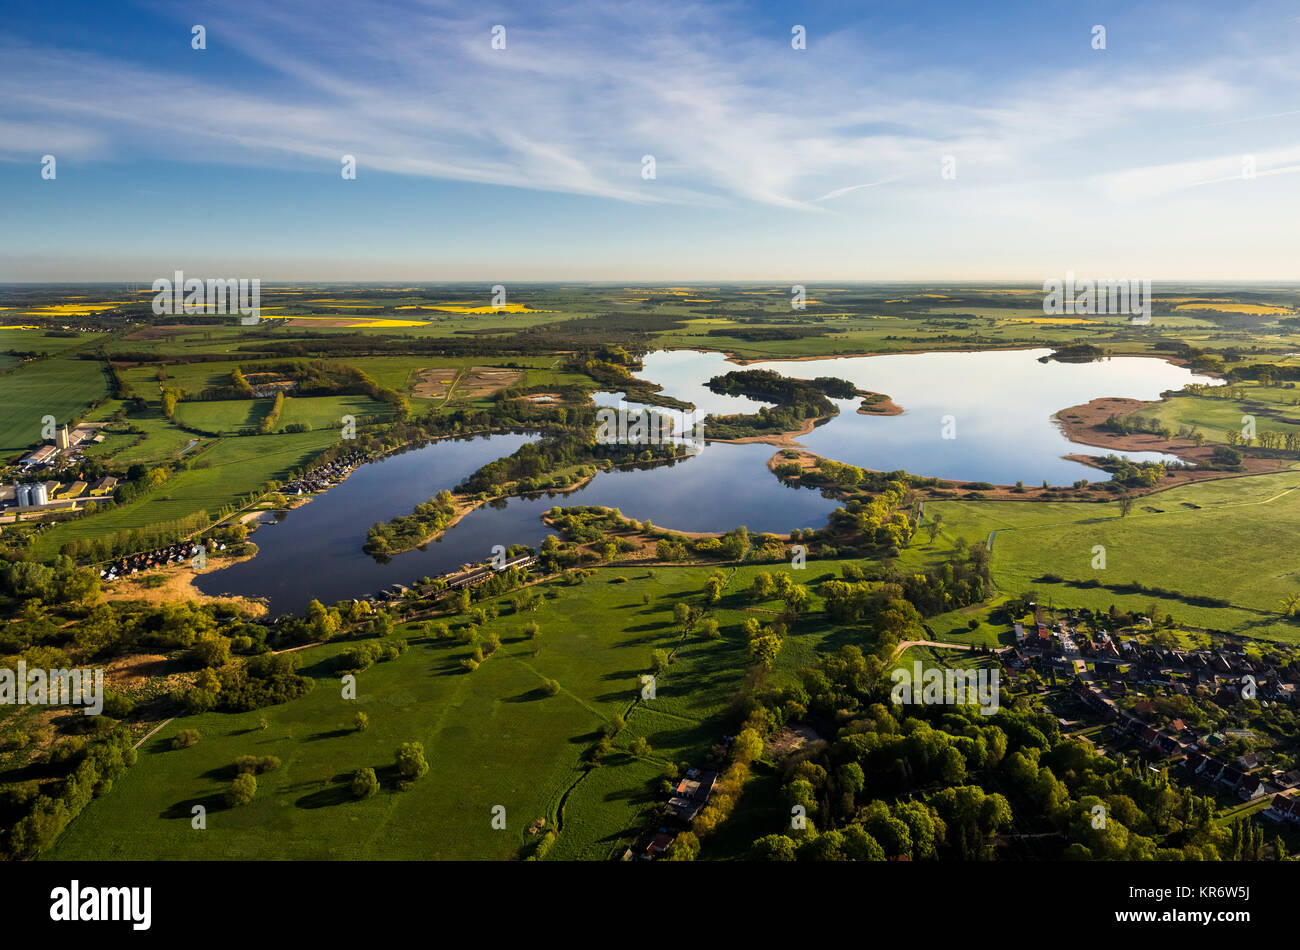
pixel 256 764
pixel 364 783
pixel 411 762
pixel 241 790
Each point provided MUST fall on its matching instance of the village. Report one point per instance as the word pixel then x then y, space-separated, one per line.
pixel 1124 695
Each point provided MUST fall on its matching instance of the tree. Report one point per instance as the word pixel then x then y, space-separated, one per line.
pixel 709 628
pixel 685 847
pixel 773 848
pixel 933 526
pixel 411 762
pixel 364 783
pixel 361 721
pixel 185 738
pixel 550 687
pixel 713 588
pixel 211 649
pixel 241 790
pixel 1125 505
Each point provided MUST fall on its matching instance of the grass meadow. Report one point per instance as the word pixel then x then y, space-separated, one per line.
pixel 492 737
pixel 60 387
pixel 1231 539
pixel 222 472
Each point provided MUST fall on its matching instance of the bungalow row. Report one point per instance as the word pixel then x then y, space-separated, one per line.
pixel 161 557
pixel 1247 786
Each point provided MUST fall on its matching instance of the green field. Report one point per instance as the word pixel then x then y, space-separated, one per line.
pixel 320 412
pixel 1274 408
pixel 61 387
pixel 221 472
pixel 1233 539
pixel 491 738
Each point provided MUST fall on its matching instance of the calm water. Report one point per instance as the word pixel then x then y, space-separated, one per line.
pixel 1002 403
pixel 315 551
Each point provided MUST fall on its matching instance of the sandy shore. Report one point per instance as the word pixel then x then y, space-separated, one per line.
pixel 178 584
pixel 881 406
pixel 777 438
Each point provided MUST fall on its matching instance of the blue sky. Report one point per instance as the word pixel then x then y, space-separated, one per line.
pixel 771 163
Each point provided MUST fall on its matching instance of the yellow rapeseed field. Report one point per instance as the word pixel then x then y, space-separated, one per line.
pixel 473 308
pixel 1253 308
pixel 390 323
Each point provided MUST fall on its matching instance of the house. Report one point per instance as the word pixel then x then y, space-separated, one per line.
pixel 1229 777
pixel 1288 779
pixel 1168 745
pixel 1247 762
pixel 692 793
pixel 658 845
pixel 1278 808
pixel 1283 808
pixel 1250 788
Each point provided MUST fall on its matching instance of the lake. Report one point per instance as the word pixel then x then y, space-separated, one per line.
pixel 1001 403
pixel 315 551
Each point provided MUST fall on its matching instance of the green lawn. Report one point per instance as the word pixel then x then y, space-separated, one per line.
pixel 491 737
pixel 60 387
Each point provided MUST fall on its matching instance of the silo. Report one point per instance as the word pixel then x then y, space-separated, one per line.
pixel 22 495
pixel 39 495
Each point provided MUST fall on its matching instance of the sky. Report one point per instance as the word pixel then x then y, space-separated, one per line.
pixel 907 141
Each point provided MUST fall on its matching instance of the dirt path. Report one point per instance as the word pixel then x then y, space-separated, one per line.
pixel 152 731
pixel 906 645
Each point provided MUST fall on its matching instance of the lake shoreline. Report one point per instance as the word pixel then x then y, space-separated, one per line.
pixel 1083 424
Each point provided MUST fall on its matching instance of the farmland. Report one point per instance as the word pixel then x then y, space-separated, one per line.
pixel 60 387
pixel 204 416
